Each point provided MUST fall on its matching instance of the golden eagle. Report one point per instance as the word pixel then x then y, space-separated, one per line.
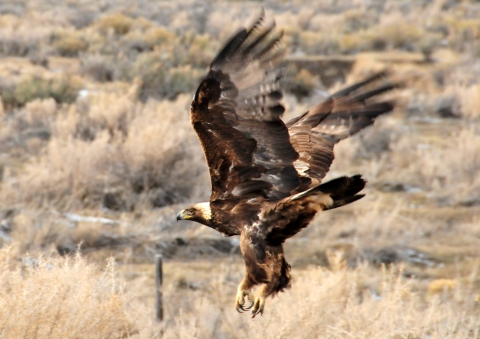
pixel 266 174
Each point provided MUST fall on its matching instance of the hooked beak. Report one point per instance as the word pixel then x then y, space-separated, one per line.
pixel 180 216
pixel 183 215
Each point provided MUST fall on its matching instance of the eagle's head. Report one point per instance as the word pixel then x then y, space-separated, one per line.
pixel 199 212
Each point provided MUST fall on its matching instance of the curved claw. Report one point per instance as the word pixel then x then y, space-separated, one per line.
pixel 249 307
pixel 254 314
pixel 241 308
pixel 240 301
pixel 258 307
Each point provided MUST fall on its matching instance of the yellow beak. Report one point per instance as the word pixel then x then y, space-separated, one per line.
pixel 182 215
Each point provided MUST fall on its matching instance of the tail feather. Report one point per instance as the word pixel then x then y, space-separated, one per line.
pixel 344 201
pixel 343 190
pixel 333 194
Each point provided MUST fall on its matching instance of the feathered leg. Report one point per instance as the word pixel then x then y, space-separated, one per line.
pixel 279 279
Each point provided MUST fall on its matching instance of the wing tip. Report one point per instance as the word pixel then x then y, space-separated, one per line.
pixel 260 18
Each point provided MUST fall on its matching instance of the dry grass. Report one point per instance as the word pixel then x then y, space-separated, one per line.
pixel 62 298
pixel 339 302
pixel 333 303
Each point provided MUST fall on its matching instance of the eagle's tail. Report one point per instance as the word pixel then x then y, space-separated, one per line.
pixel 343 191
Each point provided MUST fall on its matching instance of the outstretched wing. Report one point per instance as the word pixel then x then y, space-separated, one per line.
pixel 343 114
pixel 236 114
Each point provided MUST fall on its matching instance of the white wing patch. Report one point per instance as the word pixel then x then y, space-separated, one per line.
pixel 301 166
pixel 322 199
pixel 318 198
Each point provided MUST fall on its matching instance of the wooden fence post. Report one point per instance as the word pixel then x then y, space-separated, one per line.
pixel 158 286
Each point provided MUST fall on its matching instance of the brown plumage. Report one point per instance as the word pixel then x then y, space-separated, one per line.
pixel 266 174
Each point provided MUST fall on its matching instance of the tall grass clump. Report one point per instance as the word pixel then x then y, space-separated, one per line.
pixel 61 298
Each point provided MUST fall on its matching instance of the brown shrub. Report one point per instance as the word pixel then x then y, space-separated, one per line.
pixel 319 43
pixel 160 81
pixel 470 101
pixel 135 149
pixel 81 18
pixel 119 22
pixel 70 45
pixel 17 38
pixel 58 298
pixel 303 83
pixel 399 33
pixel 98 67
